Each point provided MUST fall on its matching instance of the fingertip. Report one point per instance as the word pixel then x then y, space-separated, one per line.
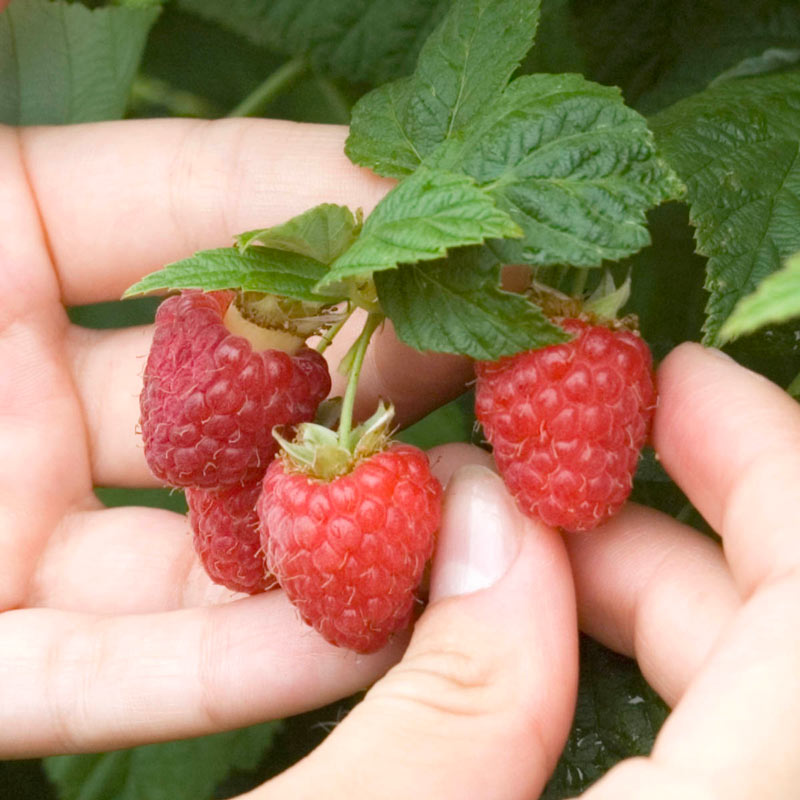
pixel 448 459
pixel 480 534
pixel 714 418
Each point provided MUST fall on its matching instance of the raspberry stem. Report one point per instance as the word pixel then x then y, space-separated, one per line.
pixel 360 349
pixel 579 279
pixel 273 85
pixel 327 338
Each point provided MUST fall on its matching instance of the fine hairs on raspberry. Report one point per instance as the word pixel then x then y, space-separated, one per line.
pixel 567 422
pixel 227 537
pixel 210 401
pixel 350 552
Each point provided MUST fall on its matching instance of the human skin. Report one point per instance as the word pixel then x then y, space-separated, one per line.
pixel 112 635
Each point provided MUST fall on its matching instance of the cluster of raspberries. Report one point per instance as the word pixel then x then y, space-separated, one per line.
pixel 350 552
pixel 566 424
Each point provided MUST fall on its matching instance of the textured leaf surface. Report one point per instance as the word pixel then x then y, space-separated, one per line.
pixel 460 69
pixel 258 269
pixel 736 147
pixel 183 770
pixel 777 299
pixel 322 233
pixel 574 167
pixel 617 716
pixel 63 63
pixel 456 306
pixel 419 220
pixel 363 40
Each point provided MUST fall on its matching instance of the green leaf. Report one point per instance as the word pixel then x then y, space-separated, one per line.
pixel 63 63
pixel 419 220
pixel 676 47
pixel 617 716
pixel 573 165
pixel 774 59
pixel 378 138
pixel 777 299
pixel 456 305
pixel 259 269
pixel 460 69
pixel 794 387
pixel 452 422
pixel 322 233
pixel 736 145
pixel 362 40
pixel 182 770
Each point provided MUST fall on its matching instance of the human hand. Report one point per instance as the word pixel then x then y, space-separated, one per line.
pixel 110 631
pixel 715 629
pixel 480 704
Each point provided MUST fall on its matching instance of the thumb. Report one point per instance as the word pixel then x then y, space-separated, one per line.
pixel 481 703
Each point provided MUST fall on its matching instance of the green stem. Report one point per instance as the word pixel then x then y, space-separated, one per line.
pixel 561 273
pixel 273 85
pixel 153 91
pixel 329 335
pixel 579 279
pixel 336 99
pixel 346 419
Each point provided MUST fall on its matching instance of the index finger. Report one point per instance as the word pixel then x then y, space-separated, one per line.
pixel 121 199
pixel 731 439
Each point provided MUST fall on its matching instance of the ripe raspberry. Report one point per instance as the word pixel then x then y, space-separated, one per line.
pixel 227 537
pixel 350 552
pixel 210 400
pixel 567 422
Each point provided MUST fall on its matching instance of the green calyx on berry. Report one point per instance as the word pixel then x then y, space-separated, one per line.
pixel 320 453
pixel 325 454
pixel 270 322
pixel 607 299
pixel 600 308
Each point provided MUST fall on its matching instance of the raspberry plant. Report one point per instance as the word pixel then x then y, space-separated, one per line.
pixel 504 154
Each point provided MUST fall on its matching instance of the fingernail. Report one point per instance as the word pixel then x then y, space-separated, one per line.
pixel 479 535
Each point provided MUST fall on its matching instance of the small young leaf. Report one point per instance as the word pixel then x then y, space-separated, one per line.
pixel 777 299
pixel 322 233
pixel 377 137
pixel 258 269
pixel 183 770
pixel 573 165
pixel 456 305
pixel 460 69
pixel 735 145
pixel 63 63
pixel 419 220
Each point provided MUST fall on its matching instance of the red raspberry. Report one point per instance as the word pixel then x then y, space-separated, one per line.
pixel 567 422
pixel 227 537
pixel 210 401
pixel 350 552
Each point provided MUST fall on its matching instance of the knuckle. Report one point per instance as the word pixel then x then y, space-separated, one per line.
pixel 448 680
